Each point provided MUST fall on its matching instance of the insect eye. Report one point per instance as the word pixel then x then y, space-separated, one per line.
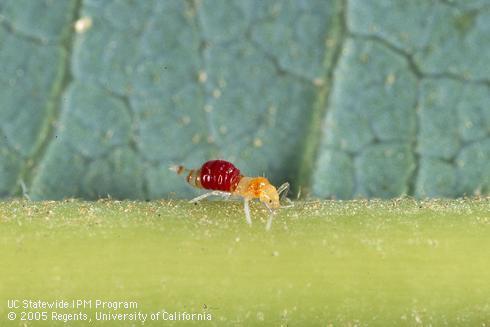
pixel 270 201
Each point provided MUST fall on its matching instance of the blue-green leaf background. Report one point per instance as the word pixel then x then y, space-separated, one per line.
pixel 343 98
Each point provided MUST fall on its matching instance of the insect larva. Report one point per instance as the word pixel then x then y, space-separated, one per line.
pixel 223 178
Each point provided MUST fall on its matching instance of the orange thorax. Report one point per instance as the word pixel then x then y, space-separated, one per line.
pixel 251 187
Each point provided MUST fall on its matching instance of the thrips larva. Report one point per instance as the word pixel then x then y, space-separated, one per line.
pixel 224 179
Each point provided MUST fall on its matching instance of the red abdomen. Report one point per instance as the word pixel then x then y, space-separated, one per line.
pixel 220 175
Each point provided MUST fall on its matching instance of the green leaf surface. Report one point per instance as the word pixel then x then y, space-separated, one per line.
pixel 363 262
pixel 342 98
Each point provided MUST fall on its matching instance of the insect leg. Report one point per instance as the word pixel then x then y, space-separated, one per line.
pixel 246 208
pixel 203 196
pixel 271 216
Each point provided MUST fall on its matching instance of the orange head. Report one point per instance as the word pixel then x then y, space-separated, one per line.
pixel 268 195
pixel 258 188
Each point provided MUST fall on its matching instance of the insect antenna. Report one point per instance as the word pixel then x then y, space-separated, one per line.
pixel 289 205
pixel 179 169
pixel 284 189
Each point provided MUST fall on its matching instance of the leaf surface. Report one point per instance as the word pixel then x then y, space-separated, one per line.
pixel 341 98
